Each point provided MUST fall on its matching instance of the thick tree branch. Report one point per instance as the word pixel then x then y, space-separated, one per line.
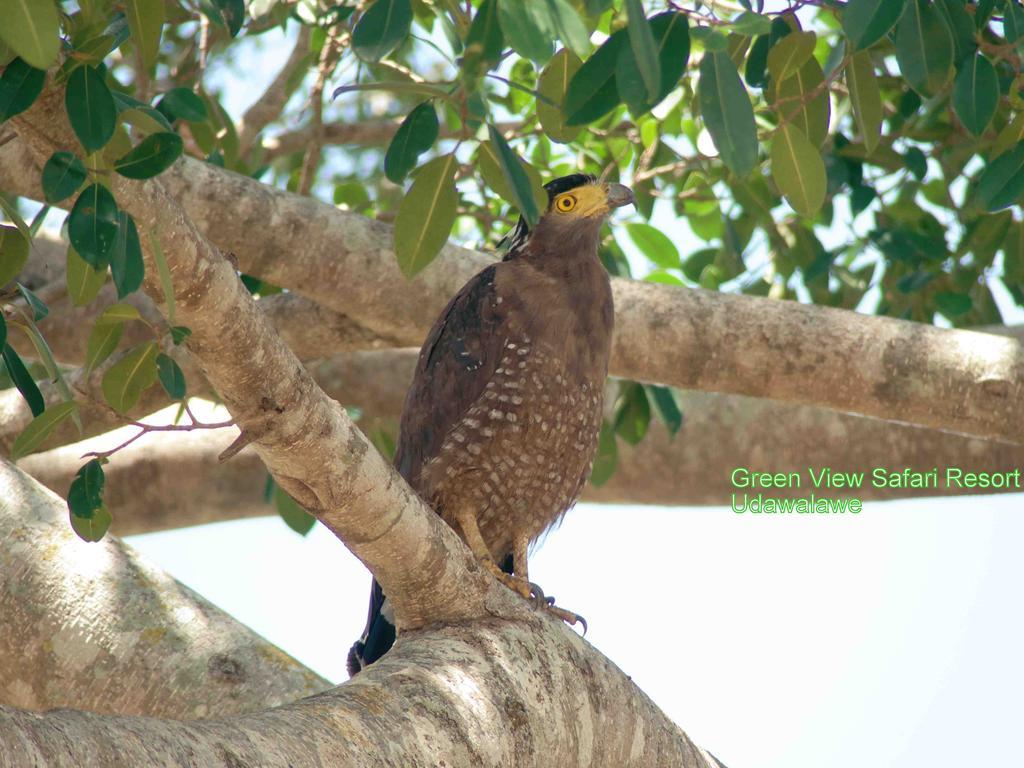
pixel 311 330
pixel 305 438
pixel 93 626
pixel 891 369
pixel 136 642
pixel 150 485
pixel 318 456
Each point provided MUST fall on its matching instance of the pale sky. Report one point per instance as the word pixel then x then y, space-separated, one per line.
pixel 887 639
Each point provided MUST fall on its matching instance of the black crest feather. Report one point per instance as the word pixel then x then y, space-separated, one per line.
pixel 517 238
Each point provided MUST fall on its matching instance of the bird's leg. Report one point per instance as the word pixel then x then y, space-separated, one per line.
pixel 466 519
pixel 519 546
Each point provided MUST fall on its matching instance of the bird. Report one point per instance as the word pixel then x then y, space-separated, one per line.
pixel 501 422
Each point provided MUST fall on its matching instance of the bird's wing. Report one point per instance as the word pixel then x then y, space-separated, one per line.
pixel 458 358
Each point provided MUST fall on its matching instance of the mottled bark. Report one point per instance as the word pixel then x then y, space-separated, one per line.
pixel 91 625
pixel 94 626
pixel 154 484
pixel 954 380
pixel 305 438
pixel 309 329
pixel 523 689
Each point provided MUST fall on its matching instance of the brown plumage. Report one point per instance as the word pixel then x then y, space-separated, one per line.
pixel 501 422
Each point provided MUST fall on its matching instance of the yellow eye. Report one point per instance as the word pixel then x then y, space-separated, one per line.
pixel 565 203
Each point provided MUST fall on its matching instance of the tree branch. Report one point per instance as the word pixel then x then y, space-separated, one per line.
pixel 719 433
pixel 93 626
pixel 306 439
pixel 891 369
pixel 366 133
pixel 269 105
pixel 421 715
pixel 693 339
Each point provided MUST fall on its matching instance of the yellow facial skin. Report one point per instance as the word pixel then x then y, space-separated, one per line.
pixel 582 202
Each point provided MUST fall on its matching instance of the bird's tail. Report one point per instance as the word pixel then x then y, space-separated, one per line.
pixel 378 637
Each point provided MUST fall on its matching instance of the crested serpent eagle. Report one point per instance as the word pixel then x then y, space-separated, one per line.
pixel 501 422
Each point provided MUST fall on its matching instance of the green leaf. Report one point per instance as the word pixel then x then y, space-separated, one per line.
pixel 145 20
pixel 667 407
pixel 171 377
pixel 553 85
pixel 106 333
pixel 924 48
pixel 592 92
pixel 960 26
pixel 1002 181
pixel 527 26
pixel 92 529
pixel 725 107
pixel 183 104
pixel 23 381
pixel 952 305
pixel 31 29
pixel 39 429
pixel 790 54
pixel 14 247
pixel 154 154
pixel 654 244
pixel 641 42
pixel 672 47
pixel 633 414
pixel 163 271
pixel 229 14
pixel 38 219
pixel 490 170
pixel 414 136
pixel 39 309
pixel 90 107
pixel 606 458
pixel 751 24
pixel 120 313
pixel 12 213
pixel 426 215
pixel 484 40
pixel 381 29
pixel 1013 22
pixel 976 93
pixel 791 95
pixel 865 22
pixel 83 282
pixel 126 380
pixel 865 98
pixel 103 340
pixel 298 519
pixel 798 170
pixel 45 355
pixel 3 331
pixel 179 333
pixel 85 496
pixel 518 182
pixel 63 175
pixel 126 266
pixel 146 120
pixel 20 85
pixel 568 26
pixel 1008 137
pixel 92 225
